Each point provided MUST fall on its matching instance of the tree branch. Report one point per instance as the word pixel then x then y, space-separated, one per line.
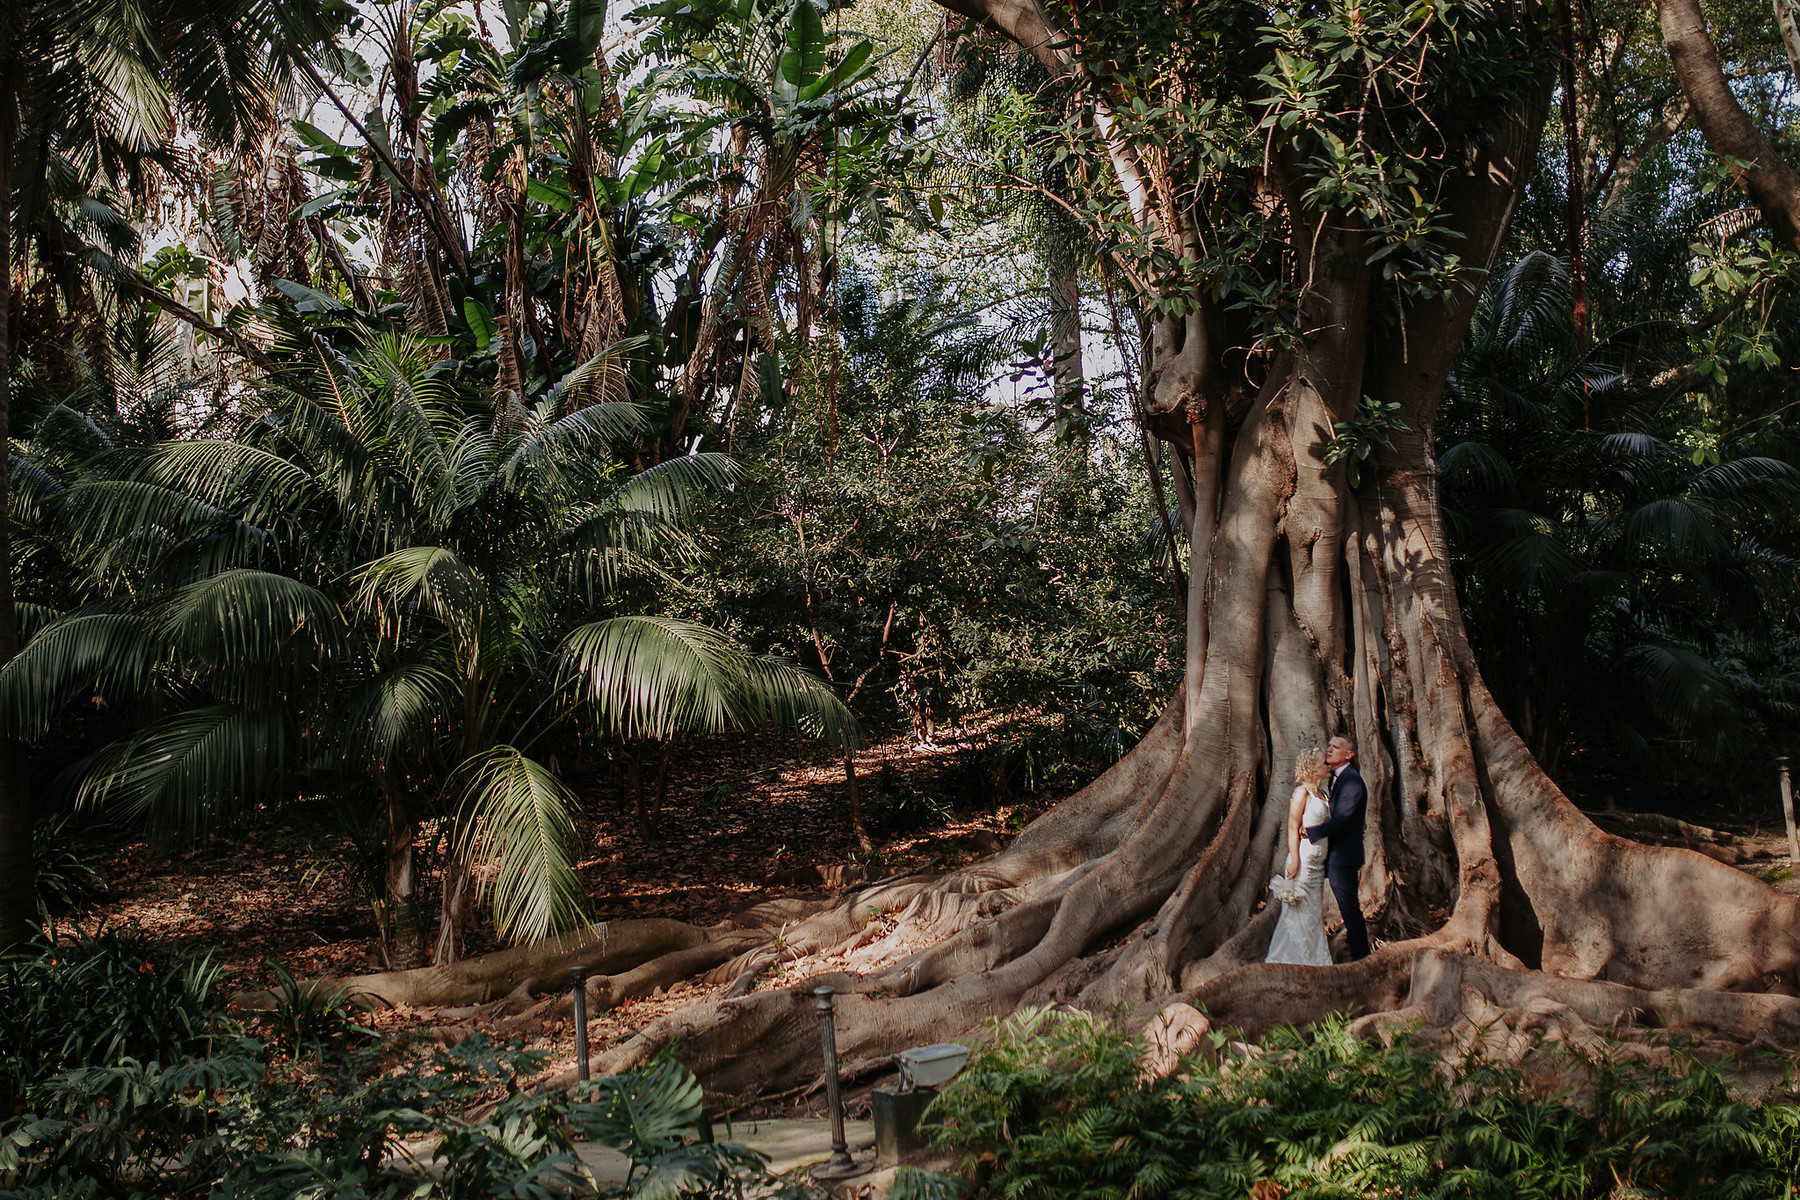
pixel 1770 182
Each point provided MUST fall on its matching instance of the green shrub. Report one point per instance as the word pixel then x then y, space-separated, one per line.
pixel 62 868
pixel 131 1087
pixel 238 1126
pixel 97 1001
pixel 1057 1107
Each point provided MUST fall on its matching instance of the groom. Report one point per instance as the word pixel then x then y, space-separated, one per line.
pixel 1344 858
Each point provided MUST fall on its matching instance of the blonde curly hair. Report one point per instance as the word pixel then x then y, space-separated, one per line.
pixel 1310 769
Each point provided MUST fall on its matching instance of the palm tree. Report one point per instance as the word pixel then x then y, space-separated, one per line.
pixel 381 582
pixel 1612 576
pixel 89 94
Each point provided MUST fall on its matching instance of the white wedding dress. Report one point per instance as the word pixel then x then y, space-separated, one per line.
pixel 1300 933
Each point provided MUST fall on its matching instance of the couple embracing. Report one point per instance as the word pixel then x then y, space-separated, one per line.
pixel 1325 845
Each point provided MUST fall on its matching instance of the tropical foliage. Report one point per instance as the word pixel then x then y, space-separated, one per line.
pixel 375 366
pixel 382 586
pixel 1059 1105
pixel 150 1088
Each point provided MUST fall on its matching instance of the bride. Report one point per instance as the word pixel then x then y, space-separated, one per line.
pixel 1300 933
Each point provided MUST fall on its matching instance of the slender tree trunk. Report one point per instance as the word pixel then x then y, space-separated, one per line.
pixel 1575 201
pixel 453 910
pixel 405 930
pixel 1065 344
pixel 18 892
pixel 855 799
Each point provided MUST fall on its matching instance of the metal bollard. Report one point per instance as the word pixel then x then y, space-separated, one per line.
pixel 578 982
pixel 840 1164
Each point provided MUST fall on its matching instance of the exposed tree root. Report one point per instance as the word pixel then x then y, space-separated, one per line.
pixel 612 952
pixel 1494 892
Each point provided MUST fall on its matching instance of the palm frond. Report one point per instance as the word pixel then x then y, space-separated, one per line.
pixel 398 708
pixel 1682 688
pixel 1477 467
pixel 243 618
pixel 603 379
pixel 116 652
pixel 1750 483
pixel 1674 526
pixel 188 770
pixel 517 814
pixel 431 575
pixel 656 676
pixel 245 478
pixel 585 433
pixel 668 489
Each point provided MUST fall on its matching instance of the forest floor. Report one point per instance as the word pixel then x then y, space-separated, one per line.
pixel 741 823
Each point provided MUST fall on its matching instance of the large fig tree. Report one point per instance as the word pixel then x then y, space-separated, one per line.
pixel 1306 200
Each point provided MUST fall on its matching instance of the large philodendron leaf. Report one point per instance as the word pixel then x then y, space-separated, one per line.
pixel 655 676
pixel 641 1113
pixel 517 815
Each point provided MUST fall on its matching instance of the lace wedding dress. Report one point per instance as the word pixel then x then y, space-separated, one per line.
pixel 1300 933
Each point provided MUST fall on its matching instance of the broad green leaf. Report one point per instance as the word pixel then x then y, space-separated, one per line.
pixel 549 194
pixel 481 322
pixel 310 299
pixel 587 22
pixel 319 204
pixel 804 59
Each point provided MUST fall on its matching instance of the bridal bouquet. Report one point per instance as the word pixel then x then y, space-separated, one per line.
pixel 1288 891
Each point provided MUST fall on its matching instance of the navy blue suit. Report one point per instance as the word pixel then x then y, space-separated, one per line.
pixel 1344 857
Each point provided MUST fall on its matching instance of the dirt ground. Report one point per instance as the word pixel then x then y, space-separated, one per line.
pixel 740 824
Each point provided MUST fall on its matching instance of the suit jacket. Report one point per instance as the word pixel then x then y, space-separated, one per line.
pixel 1349 797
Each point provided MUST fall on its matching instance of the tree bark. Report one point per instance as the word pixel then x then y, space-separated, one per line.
pixel 405 931
pixel 1065 342
pixel 1768 180
pixel 18 892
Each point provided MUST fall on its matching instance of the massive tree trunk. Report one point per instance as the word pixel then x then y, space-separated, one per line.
pixel 1314 608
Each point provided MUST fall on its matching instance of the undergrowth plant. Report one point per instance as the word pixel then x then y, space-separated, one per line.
pixel 1059 1106
pixel 63 866
pixel 140 1089
pixel 89 1001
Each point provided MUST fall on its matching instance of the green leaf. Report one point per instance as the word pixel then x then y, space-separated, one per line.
pixel 310 299
pixel 643 1113
pixel 548 194
pixel 481 322
pixel 804 59
pixel 319 204
pixel 519 815
pixel 656 676
pixel 587 22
